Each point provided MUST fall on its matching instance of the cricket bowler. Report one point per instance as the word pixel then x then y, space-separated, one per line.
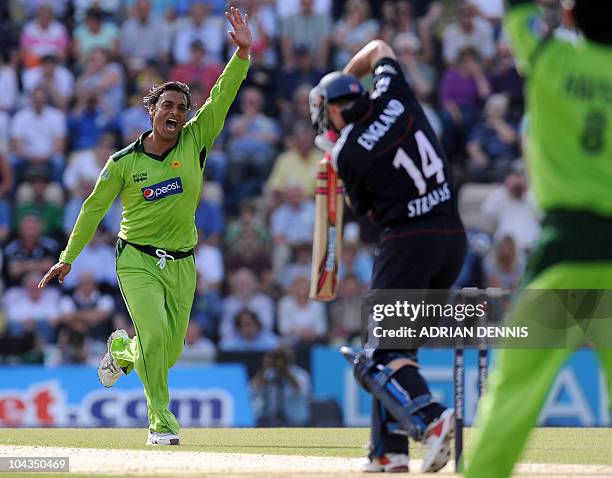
pixel 394 169
pixel 569 159
pixel 159 178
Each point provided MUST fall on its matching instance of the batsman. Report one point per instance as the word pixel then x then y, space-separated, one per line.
pixel 159 178
pixel 394 170
pixel 569 159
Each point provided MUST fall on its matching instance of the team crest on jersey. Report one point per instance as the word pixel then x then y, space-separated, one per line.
pixel 139 177
pixel 161 190
pixel 176 164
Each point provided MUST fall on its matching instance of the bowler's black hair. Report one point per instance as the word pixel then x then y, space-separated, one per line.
pixel 594 19
pixel 150 99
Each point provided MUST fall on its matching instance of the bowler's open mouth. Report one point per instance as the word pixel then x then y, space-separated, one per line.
pixel 171 124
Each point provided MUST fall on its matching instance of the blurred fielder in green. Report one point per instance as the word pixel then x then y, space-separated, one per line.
pixel 569 158
pixel 159 178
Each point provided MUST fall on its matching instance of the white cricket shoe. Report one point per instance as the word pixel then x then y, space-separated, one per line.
pixel 162 439
pixel 108 369
pixel 437 438
pixel 388 463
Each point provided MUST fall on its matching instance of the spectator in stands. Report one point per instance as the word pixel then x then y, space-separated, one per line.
pixel 266 79
pixel 244 295
pixel 250 146
pixel 292 223
pixel 53 78
pixel 301 320
pixel 202 25
pixel 38 198
pixel 354 29
pixel 135 118
pixel 97 258
pixel 198 349
pixel 29 308
pixel 300 265
pixel 298 164
pixel 513 211
pixel 421 76
pixel 247 242
pixel 306 28
pixel 87 310
pixel 249 335
pixel 143 37
pixel 30 252
pixel 428 14
pixel 88 122
pixel 505 79
pixel 397 19
pixel 297 111
pixel 95 33
pixel 83 189
pixel 468 31
pixel 281 391
pixel 38 132
pixel 345 312
pixel 111 9
pixel 263 20
pixel 86 164
pixel 41 36
pixel 103 79
pixel 8 85
pixel 305 71
pixel 209 218
pixel 493 143
pixel 199 69
pixel 505 265
pixel 463 88
pixel 209 266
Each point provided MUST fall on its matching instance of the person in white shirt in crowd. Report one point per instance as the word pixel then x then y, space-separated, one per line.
pixel 98 258
pixel 29 308
pixel 38 132
pixel 43 35
pixel 9 86
pixel 513 210
pixel 54 78
pixel 292 223
pixel 301 320
pixel 201 24
pixel 469 30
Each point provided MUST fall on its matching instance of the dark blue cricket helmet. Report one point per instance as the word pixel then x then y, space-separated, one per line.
pixel 332 87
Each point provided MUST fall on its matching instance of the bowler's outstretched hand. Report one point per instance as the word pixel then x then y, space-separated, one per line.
pixel 241 36
pixel 61 270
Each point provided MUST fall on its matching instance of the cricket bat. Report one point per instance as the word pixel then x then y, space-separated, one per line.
pixel 327 241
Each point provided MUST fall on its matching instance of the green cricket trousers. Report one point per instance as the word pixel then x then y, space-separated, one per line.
pixel 520 379
pixel 158 293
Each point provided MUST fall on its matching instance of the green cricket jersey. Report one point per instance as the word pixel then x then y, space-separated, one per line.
pixel 160 194
pixel 569 97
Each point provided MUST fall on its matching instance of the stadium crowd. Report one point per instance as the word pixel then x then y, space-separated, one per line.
pixel 72 78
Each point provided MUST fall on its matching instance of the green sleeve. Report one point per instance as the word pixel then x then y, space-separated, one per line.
pixel 525 30
pixel 208 121
pixel 94 208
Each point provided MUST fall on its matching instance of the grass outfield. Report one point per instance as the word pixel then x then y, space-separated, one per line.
pixel 547 445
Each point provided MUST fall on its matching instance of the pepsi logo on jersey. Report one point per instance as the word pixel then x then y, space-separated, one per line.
pixel 157 191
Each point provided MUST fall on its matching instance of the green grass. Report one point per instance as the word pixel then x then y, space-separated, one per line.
pixel 547 445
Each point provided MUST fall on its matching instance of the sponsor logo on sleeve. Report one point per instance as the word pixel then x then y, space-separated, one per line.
pixel 163 189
